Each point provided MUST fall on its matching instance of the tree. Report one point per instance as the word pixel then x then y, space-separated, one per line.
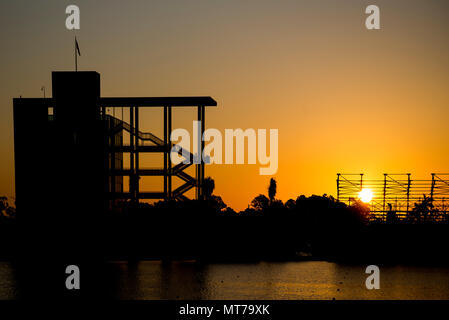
pixel 260 203
pixel 208 187
pixel 6 211
pixel 361 211
pixel 272 190
pixel 216 202
pixel 290 204
pixel 422 210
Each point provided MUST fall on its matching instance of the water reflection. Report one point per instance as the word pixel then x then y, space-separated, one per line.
pixel 7 282
pixel 264 280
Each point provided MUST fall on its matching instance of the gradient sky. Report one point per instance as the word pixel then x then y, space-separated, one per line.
pixel 344 98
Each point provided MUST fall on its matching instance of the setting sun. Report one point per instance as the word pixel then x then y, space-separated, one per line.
pixel 366 195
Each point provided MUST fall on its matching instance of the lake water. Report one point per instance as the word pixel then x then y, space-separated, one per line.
pixel 264 280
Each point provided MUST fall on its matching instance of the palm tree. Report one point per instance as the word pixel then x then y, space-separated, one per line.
pixel 272 190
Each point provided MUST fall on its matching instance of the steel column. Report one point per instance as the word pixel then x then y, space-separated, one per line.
pixel 131 154
pixel 136 147
pixel 169 129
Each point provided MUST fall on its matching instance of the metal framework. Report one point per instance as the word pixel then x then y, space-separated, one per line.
pixel 86 155
pixel 146 142
pixel 396 193
pixel 143 142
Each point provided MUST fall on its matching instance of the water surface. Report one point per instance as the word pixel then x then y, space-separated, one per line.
pixel 264 280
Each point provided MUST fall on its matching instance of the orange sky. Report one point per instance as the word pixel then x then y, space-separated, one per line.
pixel 345 99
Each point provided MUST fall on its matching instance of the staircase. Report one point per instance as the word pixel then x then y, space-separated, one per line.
pixel 190 182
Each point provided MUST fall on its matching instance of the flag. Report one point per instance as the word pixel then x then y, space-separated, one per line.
pixel 77 47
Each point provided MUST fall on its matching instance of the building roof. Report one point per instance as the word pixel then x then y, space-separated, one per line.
pixel 133 101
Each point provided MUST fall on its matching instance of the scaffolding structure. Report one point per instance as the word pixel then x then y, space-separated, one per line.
pixel 146 142
pixel 397 193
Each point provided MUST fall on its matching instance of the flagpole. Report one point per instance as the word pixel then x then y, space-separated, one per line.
pixel 76 58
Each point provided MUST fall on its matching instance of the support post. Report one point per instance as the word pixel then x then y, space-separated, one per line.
pixel 338 187
pixel 203 128
pixel 111 156
pixel 169 164
pixel 136 146
pixel 165 154
pixel 432 188
pixel 408 192
pixel 385 192
pixel 199 169
pixel 131 154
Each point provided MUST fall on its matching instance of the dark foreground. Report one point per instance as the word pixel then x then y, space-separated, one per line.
pixel 40 247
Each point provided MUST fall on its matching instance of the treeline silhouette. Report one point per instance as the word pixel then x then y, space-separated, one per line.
pixel 314 227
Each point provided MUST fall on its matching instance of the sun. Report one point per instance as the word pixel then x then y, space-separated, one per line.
pixel 366 195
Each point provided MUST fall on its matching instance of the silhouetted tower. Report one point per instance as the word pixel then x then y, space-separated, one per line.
pixel 63 149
